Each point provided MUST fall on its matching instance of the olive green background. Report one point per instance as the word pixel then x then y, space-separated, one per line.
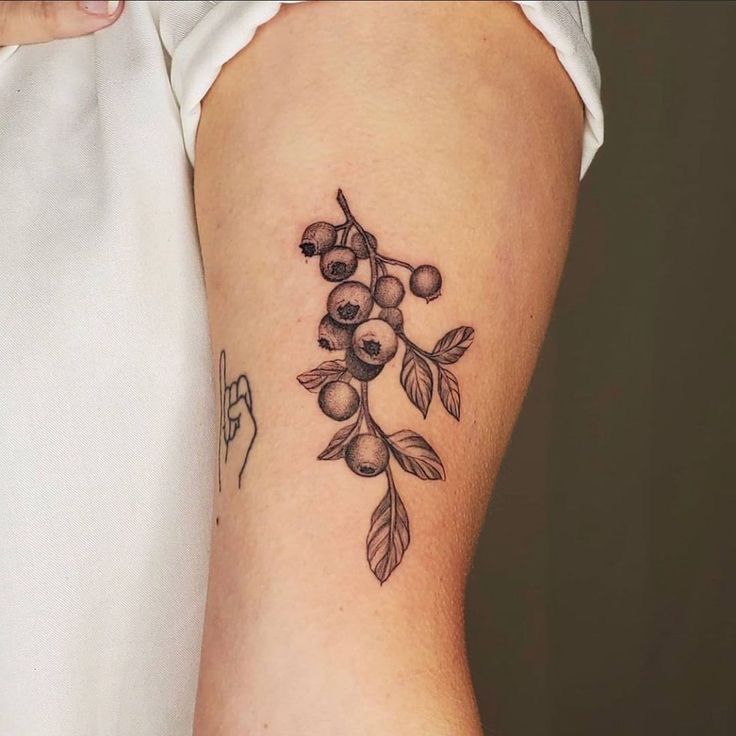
pixel 602 599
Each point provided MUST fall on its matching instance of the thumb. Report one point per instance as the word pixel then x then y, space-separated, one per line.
pixel 246 434
pixel 37 21
pixel 236 410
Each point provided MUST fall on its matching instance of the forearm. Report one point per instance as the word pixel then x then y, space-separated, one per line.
pixel 461 151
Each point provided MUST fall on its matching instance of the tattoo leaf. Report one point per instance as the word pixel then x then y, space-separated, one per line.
pixel 330 370
pixel 451 347
pixel 416 378
pixel 335 450
pixel 415 455
pixel 449 390
pixel 388 536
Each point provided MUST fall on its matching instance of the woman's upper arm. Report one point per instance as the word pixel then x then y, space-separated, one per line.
pixel 335 602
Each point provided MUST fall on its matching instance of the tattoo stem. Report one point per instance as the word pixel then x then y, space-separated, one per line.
pixel 344 205
pixel 375 429
pixel 375 258
pixel 369 420
pixel 395 262
pixel 374 270
pixel 370 423
pixel 415 347
pixel 393 495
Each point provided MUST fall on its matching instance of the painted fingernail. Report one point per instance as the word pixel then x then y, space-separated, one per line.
pixel 99 7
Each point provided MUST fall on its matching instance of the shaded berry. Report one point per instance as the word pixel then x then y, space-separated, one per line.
pixel 338 263
pixel 358 245
pixel 366 455
pixel 374 342
pixel 394 317
pixel 360 370
pixel 426 281
pixel 389 291
pixel 332 335
pixel 318 238
pixel 350 303
pixel 339 400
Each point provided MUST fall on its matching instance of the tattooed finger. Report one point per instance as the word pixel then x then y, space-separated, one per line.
pixel 236 410
pixel 232 428
pixel 248 399
pixel 244 391
pixel 242 387
pixel 223 387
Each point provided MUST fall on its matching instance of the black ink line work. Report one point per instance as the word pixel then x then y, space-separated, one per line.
pixel 364 322
pixel 238 427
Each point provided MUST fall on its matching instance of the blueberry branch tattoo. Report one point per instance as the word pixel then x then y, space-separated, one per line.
pixel 368 342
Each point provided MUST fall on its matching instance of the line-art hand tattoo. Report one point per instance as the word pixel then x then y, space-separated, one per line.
pixel 237 426
pixel 366 323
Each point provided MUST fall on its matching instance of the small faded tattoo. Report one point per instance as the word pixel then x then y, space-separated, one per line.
pixel 364 327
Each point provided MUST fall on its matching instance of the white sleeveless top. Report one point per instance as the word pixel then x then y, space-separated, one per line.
pixel 107 427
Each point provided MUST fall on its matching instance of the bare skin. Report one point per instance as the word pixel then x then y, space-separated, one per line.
pixel 456 136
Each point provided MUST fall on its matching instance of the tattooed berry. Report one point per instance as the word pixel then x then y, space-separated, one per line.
pixel 426 281
pixel 360 370
pixel 339 400
pixel 338 263
pixel 366 455
pixel 350 303
pixel 358 245
pixel 389 291
pixel 394 317
pixel 317 238
pixel 332 335
pixel 374 342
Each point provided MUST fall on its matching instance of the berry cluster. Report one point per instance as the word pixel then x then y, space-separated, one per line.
pixel 366 322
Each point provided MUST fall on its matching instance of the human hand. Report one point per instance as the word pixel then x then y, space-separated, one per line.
pixel 34 21
pixel 237 427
